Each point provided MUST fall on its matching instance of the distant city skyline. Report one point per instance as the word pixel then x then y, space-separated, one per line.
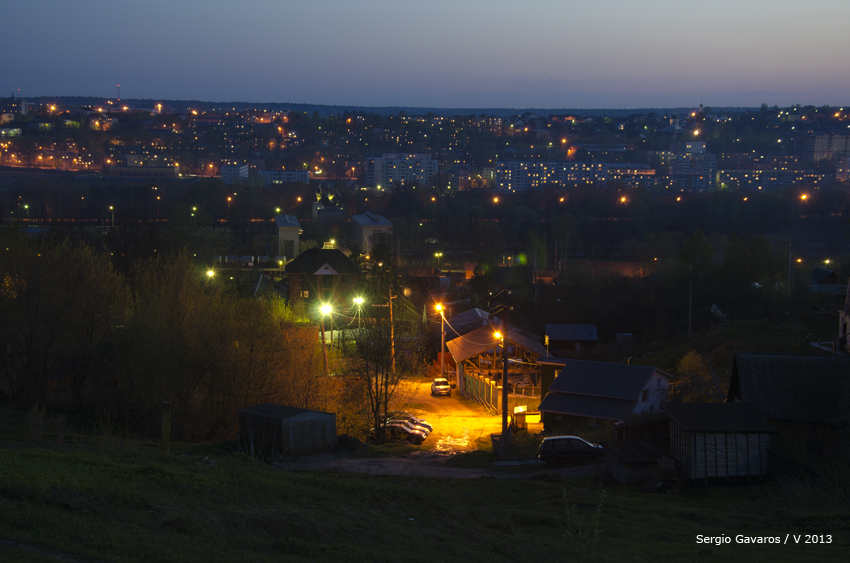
pixel 471 54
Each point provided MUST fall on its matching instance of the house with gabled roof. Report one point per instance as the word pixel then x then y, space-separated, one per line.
pixel 587 392
pixel 370 229
pixel 563 337
pixel 325 275
pixel 806 398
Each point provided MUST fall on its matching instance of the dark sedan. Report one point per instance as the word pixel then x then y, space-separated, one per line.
pixel 568 449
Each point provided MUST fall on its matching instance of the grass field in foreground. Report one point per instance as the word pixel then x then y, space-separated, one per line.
pixel 134 503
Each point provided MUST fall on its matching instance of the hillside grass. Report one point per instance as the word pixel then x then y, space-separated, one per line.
pixel 93 501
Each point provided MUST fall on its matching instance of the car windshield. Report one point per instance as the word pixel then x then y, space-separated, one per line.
pixel 441 381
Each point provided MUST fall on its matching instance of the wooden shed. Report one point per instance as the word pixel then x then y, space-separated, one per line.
pixel 286 431
pixel 713 441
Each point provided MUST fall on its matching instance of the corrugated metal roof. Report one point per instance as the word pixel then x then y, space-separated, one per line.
pixel 583 405
pixel 581 333
pixel 792 387
pixel 718 417
pixel 482 339
pixel 600 379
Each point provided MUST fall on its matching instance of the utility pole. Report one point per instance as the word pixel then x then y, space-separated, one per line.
pixel 392 329
pixel 325 347
pixel 690 307
pixel 439 308
pixel 503 442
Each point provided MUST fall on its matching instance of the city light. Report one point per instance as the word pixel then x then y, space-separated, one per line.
pixel 210 273
pixel 326 309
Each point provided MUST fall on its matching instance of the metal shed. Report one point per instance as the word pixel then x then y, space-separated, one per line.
pixel 286 431
pixel 719 440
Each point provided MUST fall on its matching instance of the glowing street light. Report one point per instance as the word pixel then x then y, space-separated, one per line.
pixel 210 273
pixel 112 210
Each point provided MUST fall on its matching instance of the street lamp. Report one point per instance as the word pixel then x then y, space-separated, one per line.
pixel 439 308
pixel 112 210
pixel 325 309
pixel 210 273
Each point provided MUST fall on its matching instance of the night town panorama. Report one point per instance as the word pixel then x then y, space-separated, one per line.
pixel 462 283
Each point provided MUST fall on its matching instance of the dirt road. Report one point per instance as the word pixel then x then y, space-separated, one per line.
pixel 457 423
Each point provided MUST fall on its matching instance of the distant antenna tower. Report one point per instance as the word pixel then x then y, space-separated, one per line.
pixel 119 91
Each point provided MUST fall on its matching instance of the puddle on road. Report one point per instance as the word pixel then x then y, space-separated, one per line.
pixel 452 443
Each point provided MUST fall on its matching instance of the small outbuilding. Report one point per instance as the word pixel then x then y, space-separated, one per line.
pixel 286 431
pixel 713 441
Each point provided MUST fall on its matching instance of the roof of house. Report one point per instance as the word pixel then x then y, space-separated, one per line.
pixel 287 221
pixel 583 333
pixel 718 417
pixel 312 260
pixel 635 451
pixel 589 406
pixel 280 412
pixel 467 321
pixel 483 339
pixel 601 379
pixel 792 387
pixel 371 220
pixel 425 272
pixel 821 275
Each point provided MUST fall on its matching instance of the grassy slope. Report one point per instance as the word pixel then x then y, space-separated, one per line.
pixel 108 500
pixel 141 505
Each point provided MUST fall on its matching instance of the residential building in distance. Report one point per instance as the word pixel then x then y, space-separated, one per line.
pixel 13 105
pixel 397 169
pixel 694 172
pixel 812 148
pixel 321 275
pixel 284 176
pixel 842 170
pixel 370 229
pixel 234 173
pixel 288 236
pixel 752 180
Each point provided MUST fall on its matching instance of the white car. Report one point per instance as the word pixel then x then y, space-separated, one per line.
pixel 440 386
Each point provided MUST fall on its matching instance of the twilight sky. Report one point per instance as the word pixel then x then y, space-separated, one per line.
pixel 433 53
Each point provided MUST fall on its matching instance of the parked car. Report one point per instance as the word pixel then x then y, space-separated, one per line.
pixel 556 450
pixel 412 420
pixel 398 431
pixel 440 386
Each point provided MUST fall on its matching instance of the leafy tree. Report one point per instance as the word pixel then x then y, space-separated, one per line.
pixel 696 381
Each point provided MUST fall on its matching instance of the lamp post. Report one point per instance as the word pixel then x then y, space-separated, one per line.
pixel 359 302
pixel 439 307
pixel 112 210
pixel 325 310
